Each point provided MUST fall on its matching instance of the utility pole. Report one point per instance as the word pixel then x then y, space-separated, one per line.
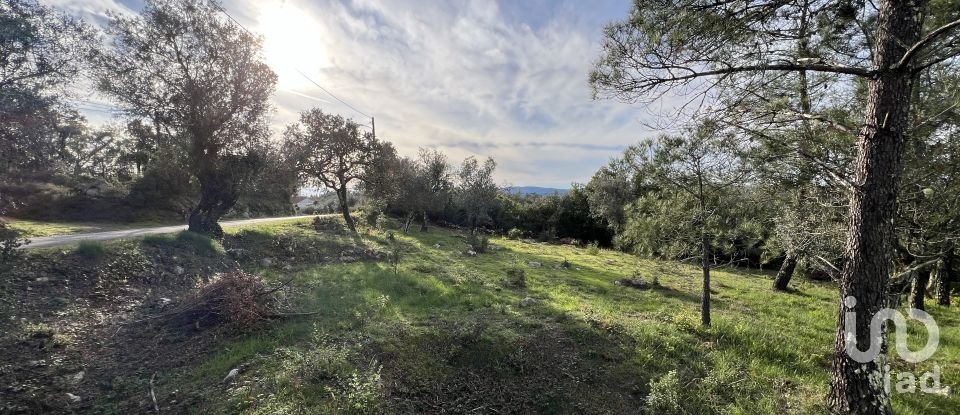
pixel 373 126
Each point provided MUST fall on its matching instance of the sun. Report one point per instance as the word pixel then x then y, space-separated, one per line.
pixel 292 42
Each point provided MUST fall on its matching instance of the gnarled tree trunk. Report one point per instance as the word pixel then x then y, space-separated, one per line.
pixel 219 191
pixel 783 277
pixel 857 388
pixel 345 209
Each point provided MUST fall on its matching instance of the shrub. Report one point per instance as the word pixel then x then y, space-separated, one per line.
pixel 514 233
pixel 394 257
pixel 593 248
pixel 516 277
pixel 478 244
pixel 10 242
pixel 90 249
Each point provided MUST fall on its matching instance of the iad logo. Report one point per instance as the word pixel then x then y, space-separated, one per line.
pixel 906 382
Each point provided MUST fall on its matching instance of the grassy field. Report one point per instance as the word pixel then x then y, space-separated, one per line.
pixel 523 328
pixel 448 332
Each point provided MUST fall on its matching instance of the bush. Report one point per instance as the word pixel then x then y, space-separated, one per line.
pixel 478 244
pixel 593 248
pixel 514 233
pixel 10 242
pixel 90 249
pixel 516 277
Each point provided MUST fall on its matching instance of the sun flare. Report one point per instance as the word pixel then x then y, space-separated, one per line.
pixel 292 41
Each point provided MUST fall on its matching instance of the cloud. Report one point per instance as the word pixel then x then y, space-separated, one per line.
pixel 507 80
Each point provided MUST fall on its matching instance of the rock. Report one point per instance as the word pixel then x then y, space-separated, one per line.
pixel 73 398
pixel 533 264
pixel 42 279
pixel 436 246
pixel 266 262
pixel 287 267
pixel 178 270
pixel 233 373
pixel 470 253
pixel 527 302
pixel 165 301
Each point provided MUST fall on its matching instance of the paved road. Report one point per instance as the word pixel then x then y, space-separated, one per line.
pixel 60 240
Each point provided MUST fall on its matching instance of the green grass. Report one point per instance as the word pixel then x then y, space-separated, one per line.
pixel 447 332
pixel 200 244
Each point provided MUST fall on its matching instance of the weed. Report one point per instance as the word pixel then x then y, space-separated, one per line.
pixel 665 395
pixel 44 335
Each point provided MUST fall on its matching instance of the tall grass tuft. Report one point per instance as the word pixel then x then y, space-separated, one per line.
pixel 90 249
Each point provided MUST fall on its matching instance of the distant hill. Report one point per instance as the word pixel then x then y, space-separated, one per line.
pixel 535 190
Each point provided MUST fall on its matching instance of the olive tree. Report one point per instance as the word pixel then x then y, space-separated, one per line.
pixel 186 69
pixel 476 191
pixel 333 152
pixel 41 51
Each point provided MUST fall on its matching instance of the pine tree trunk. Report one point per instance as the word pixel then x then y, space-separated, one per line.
pixel 705 297
pixel 918 289
pixel 782 280
pixel 857 388
pixel 944 281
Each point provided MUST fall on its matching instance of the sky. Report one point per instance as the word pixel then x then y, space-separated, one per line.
pixel 502 79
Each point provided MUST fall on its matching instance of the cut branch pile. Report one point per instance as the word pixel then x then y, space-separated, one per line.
pixel 235 298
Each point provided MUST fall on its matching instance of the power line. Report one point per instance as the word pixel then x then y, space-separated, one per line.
pixel 297 69
pixel 334 96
